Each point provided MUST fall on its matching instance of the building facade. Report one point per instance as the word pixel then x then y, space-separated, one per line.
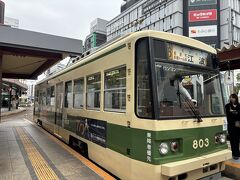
pixel 97 36
pixel 179 17
pixel 230 22
pixel 164 16
pixel 127 4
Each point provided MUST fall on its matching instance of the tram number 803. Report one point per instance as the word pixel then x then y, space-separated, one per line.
pixel 201 143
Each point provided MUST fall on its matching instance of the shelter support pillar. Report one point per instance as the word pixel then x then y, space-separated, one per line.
pixel 9 97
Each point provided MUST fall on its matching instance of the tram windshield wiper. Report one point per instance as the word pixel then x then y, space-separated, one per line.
pixel 213 76
pixel 190 105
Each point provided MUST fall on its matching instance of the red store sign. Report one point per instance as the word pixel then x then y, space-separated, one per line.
pixel 202 15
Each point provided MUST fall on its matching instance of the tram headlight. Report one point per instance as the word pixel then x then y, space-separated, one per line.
pixel 221 138
pixel 163 148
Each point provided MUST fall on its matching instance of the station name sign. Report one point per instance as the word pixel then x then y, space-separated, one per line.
pixel 187 55
pixel 201 2
pixel 151 4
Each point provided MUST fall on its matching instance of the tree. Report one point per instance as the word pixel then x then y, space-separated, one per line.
pixel 238 77
pixel 236 88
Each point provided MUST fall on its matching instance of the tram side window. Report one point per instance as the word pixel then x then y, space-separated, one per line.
pixel 48 97
pixel 68 95
pixel 93 91
pixel 44 99
pixel 52 96
pixel 78 93
pixel 115 90
pixel 37 97
pixel 213 89
pixel 144 91
pixel 40 98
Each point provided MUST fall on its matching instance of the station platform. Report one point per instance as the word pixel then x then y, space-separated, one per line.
pixel 28 152
pixel 5 112
pixel 232 169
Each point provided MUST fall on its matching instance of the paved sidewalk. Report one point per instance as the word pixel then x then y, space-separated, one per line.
pixel 5 112
pixel 27 152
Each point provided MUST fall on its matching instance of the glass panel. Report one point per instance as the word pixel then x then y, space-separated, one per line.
pixel 52 96
pixel 59 95
pixel 68 95
pixel 48 96
pixel 185 90
pixel 93 91
pixel 44 99
pixel 59 103
pixel 78 93
pixel 144 91
pixel 115 90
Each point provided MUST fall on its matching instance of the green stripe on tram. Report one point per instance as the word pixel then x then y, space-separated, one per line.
pixel 134 144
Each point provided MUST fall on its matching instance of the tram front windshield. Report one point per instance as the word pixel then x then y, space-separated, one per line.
pixel 184 90
pixel 184 83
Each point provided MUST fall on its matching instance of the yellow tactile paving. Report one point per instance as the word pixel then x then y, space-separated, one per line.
pixel 85 161
pixel 40 166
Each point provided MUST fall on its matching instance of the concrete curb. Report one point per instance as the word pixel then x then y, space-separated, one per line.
pixel 232 169
pixel 9 113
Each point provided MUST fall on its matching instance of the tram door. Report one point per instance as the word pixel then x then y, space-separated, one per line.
pixel 59 108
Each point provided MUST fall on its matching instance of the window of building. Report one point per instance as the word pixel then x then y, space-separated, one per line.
pixel 93 91
pixel 78 93
pixel 68 94
pixel 115 90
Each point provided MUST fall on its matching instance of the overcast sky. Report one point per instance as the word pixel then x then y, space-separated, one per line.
pixel 69 18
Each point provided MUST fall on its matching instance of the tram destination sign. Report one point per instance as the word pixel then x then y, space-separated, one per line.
pixel 187 55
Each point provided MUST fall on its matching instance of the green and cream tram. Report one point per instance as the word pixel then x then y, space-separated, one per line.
pixel 147 106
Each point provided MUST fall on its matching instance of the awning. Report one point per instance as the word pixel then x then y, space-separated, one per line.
pixel 229 57
pixel 27 54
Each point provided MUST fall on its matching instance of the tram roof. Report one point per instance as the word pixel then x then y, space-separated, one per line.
pixel 26 54
pixel 120 42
